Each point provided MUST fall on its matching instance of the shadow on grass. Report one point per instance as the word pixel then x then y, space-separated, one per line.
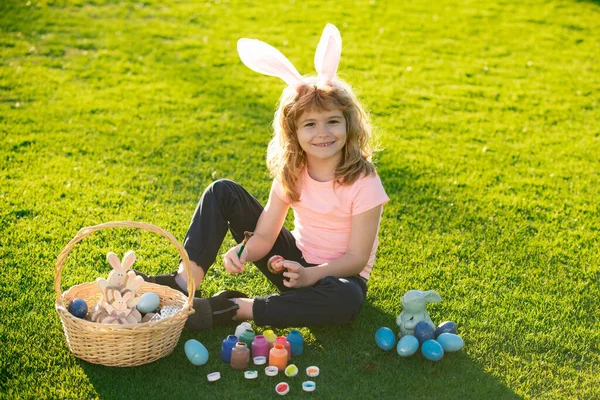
pixel 387 375
pixel 350 362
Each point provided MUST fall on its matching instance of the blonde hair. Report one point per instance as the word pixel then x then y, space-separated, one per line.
pixel 285 157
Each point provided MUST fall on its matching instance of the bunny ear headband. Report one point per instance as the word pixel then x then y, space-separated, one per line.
pixel 267 60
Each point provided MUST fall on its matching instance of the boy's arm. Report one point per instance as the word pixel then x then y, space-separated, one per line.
pixel 363 232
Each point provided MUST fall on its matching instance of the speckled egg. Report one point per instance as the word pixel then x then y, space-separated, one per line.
pixel 445 327
pixel 423 332
pixel 385 338
pixel 432 350
pixel 78 307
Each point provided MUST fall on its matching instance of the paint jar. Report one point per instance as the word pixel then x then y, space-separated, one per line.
pixel 240 356
pixel 241 328
pixel 228 344
pixel 260 346
pixel 296 342
pixel 270 336
pixel 248 337
pixel 284 342
pixel 278 357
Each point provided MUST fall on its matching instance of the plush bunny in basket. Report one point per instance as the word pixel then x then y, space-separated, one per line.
pixel 119 300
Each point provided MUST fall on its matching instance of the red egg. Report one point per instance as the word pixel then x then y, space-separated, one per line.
pixel 275 264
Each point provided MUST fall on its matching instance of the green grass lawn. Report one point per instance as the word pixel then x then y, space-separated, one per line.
pixel 488 117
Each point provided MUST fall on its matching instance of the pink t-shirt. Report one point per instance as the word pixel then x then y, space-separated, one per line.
pixel 323 216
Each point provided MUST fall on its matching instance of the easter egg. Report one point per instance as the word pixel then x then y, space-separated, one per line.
pixel 450 342
pixel 149 302
pixel 432 350
pixel 196 352
pixel 275 264
pixel 445 327
pixel 423 332
pixel 385 338
pixel 78 307
pixel 407 346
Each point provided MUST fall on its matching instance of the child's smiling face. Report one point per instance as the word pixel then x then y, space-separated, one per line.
pixel 322 134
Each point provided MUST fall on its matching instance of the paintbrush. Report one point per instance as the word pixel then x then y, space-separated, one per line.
pixel 247 236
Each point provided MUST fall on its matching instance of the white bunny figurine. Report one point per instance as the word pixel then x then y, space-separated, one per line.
pixel 414 310
pixel 119 310
pixel 119 275
pixel 122 281
pixel 131 286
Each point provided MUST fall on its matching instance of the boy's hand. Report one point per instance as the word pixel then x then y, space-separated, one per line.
pixel 298 275
pixel 232 263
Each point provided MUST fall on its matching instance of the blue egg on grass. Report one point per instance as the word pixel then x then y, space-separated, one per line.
pixel 196 352
pixel 445 327
pixel 78 307
pixel 423 332
pixel 432 350
pixel 149 302
pixel 385 338
pixel 407 346
pixel 450 342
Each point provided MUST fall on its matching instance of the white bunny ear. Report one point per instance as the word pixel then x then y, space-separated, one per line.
pixel 431 296
pixel 113 260
pixel 126 296
pixel 128 260
pixel 267 60
pixel 329 51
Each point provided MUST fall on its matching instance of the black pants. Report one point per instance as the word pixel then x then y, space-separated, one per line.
pixel 227 205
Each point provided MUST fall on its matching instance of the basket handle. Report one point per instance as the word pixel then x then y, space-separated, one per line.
pixel 84 232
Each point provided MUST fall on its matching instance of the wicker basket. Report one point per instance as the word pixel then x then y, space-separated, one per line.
pixel 122 345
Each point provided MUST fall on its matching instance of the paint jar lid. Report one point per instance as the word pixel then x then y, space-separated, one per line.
pixel 251 374
pixel 309 386
pixel 271 370
pixel 312 371
pixel 291 370
pixel 214 376
pixel 282 388
pixel 260 360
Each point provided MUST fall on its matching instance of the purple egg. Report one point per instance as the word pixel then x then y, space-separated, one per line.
pixel 445 327
pixel 423 332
